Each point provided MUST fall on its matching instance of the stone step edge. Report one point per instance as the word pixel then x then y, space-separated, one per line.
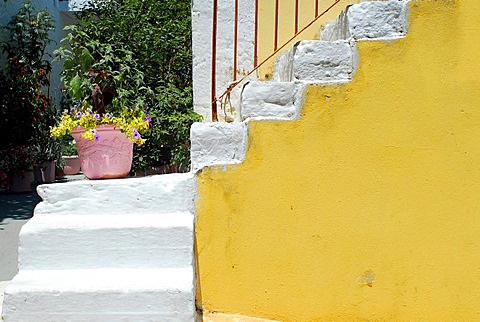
pixel 101 280
pixel 171 193
pixel 101 295
pixel 369 21
pixel 87 242
pixel 109 221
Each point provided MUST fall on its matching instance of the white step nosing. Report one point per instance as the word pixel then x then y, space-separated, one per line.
pixel 59 241
pixel 370 21
pixel 92 280
pixel 101 221
pixel 155 194
pixel 217 143
pixel 100 295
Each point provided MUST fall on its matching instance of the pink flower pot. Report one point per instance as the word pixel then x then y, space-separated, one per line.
pixel 108 156
pixel 72 164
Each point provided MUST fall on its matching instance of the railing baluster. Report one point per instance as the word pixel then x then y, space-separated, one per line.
pixel 235 42
pixel 275 42
pixel 214 61
pixel 255 41
pixel 316 8
pixel 296 16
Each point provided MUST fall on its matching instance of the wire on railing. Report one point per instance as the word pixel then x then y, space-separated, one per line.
pixel 226 94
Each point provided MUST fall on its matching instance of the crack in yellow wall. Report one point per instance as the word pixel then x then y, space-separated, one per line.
pixel 378 183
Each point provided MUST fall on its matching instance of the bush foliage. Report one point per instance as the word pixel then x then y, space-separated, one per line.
pixel 146 47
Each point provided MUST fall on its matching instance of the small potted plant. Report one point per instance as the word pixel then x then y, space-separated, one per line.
pixel 70 156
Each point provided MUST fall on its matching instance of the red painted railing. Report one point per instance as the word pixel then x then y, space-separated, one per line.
pixel 256 64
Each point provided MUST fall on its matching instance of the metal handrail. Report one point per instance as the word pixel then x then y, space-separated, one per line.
pixel 256 64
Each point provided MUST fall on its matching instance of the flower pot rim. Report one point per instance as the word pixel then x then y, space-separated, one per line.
pixel 98 127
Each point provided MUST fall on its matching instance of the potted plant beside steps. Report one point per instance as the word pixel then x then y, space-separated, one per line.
pixel 70 159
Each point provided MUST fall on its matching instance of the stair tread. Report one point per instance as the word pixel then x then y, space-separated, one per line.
pixel 72 221
pixel 102 280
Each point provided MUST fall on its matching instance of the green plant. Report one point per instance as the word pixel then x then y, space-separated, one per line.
pixel 139 52
pixel 68 146
pixel 25 109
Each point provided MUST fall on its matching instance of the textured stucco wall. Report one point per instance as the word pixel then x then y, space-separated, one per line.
pixel 367 207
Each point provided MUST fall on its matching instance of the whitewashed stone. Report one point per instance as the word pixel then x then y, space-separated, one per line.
pixel 369 20
pixel 148 195
pixel 377 20
pixel 272 100
pixel 283 67
pixel 103 295
pixel 325 61
pixel 107 241
pixel 217 143
pixel 337 29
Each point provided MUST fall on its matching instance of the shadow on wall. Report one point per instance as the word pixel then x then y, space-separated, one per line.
pixel 17 206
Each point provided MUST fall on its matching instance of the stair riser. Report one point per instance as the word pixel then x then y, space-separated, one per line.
pixel 321 61
pixel 272 100
pixel 373 20
pixel 117 248
pixel 166 305
pixel 217 144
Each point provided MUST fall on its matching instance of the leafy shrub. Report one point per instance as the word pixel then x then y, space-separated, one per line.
pixel 25 110
pixel 145 49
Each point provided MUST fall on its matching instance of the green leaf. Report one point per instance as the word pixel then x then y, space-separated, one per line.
pixel 75 87
pixel 86 59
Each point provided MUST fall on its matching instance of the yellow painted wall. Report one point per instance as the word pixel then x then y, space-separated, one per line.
pixel 368 207
pixel 286 25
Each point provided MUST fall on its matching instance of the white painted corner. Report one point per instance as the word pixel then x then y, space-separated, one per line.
pixel 217 143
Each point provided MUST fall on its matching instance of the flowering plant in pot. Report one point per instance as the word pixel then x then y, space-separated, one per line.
pixel 70 160
pixel 104 136
pixel 106 115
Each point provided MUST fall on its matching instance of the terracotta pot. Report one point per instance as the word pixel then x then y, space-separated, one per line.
pixel 45 172
pixel 22 181
pixel 72 164
pixel 110 156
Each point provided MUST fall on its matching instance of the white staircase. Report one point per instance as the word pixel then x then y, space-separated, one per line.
pixel 115 250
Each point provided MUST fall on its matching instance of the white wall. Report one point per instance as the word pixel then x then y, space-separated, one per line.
pixel 202 50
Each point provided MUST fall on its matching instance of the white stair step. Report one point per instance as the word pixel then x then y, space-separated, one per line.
pixel 272 100
pixel 121 241
pixel 155 194
pixel 100 295
pixel 325 61
pixel 369 20
pixel 217 143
